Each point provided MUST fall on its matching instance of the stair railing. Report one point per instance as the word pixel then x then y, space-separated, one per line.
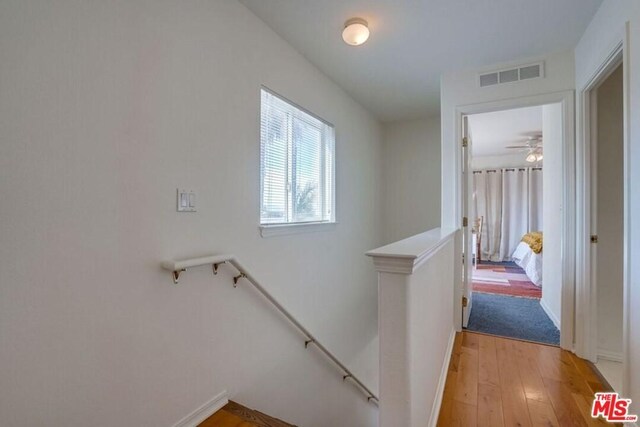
pixel 177 267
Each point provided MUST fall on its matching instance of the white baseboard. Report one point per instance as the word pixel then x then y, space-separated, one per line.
pixel 550 313
pixel 437 402
pixel 205 411
pixel 609 355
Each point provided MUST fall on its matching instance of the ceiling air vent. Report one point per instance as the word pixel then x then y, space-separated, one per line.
pixel 510 75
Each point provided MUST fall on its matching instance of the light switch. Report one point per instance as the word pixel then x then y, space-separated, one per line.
pixel 186 201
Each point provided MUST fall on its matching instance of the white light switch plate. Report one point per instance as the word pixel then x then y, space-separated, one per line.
pixel 186 200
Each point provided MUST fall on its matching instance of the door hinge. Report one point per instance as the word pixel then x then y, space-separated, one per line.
pixel 465 142
pixel 462 259
pixel 465 221
pixel 465 301
pixel 594 238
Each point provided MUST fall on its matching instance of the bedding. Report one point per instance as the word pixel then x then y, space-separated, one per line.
pixel 534 240
pixel 529 261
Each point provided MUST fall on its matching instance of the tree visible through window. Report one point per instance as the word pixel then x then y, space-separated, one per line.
pixel 296 164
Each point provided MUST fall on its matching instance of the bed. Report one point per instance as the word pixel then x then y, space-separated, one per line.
pixel 528 259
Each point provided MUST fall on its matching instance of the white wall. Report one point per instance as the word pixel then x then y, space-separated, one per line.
pixel 610 228
pixel 504 161
pixel 605 30
pixel 552 212
pixel 107 108
pixel 461 88
pixel 411 178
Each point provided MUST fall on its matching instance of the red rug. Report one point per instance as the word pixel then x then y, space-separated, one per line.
pixel 504 279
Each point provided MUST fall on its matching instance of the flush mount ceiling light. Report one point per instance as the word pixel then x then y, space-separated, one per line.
pixel 356 31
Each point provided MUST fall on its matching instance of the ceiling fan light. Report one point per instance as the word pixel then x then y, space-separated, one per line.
pixel 356 32
pixel 531 158
pixel 539 157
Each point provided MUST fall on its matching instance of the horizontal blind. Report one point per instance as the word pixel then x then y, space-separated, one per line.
pixel 296 164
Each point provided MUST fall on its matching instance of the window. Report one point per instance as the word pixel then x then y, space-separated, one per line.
pixel 296 165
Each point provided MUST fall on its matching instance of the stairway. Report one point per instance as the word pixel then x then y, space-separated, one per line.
pixel 236 415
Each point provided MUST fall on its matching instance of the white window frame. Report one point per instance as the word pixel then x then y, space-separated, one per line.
pixel 284 228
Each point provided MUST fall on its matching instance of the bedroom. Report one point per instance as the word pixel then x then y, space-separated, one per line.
pixel 511 164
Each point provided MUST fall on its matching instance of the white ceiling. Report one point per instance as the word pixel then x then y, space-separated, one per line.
pixel 492 132
pixel 396 74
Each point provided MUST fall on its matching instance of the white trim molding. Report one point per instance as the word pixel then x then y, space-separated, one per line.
pixel 303 227
pixel 204 411
pixel 614 356
pixel 405 256
pixel 437 402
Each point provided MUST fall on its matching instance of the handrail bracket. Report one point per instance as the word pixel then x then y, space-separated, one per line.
pixel 176 275
pixel 215 265
pixel 237 278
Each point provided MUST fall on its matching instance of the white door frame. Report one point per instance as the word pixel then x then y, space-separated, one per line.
pixel 467 191
pixel 566 99
pixel 586 292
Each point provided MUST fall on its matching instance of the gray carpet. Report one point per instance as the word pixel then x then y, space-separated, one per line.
pixel 512 317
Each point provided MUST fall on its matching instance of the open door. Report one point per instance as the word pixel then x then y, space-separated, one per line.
pixel 467 235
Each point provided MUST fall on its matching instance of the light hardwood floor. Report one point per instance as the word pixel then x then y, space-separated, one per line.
pixel 236 415
pixel 497 382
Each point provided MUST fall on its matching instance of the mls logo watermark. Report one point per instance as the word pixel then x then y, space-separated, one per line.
pixel 612 408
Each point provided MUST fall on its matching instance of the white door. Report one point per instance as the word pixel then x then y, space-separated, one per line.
pixel 467 222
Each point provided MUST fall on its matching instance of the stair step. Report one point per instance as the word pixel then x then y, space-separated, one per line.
pixel 235 415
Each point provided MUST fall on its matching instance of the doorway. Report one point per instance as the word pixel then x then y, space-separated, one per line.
pixel 564 115
pixel 607 221
pixel 505 190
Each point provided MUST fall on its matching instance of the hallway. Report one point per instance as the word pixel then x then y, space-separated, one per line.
pixel 495 381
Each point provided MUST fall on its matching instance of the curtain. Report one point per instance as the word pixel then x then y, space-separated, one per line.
pixel 515 210
pixel 488 204
pixel 510 200
pixel 535 199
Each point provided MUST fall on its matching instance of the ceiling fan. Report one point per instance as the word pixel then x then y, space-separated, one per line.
pixel 532 145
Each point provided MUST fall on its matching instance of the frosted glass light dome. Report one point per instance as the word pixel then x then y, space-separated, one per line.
pixel 355 32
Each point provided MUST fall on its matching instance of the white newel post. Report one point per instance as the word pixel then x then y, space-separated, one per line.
pixel 416 325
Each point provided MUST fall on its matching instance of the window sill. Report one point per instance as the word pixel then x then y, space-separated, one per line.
pixel 285 229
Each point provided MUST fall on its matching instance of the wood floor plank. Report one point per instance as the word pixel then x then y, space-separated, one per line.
pixel 529 372
pixel 223 418
pixel 564 405
pixel 471 341
pixel 584 403
pixel 463 415
pixel 535 385
pixel 593 379
pixel 466 390
pixel 487 361
pixel 455 353
pixel 542 414
pixel 563 369
pixel 490 406
pixel 514 402
pixel 446 408
pixel 236 415
pixel 584 368
pixel 549 364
